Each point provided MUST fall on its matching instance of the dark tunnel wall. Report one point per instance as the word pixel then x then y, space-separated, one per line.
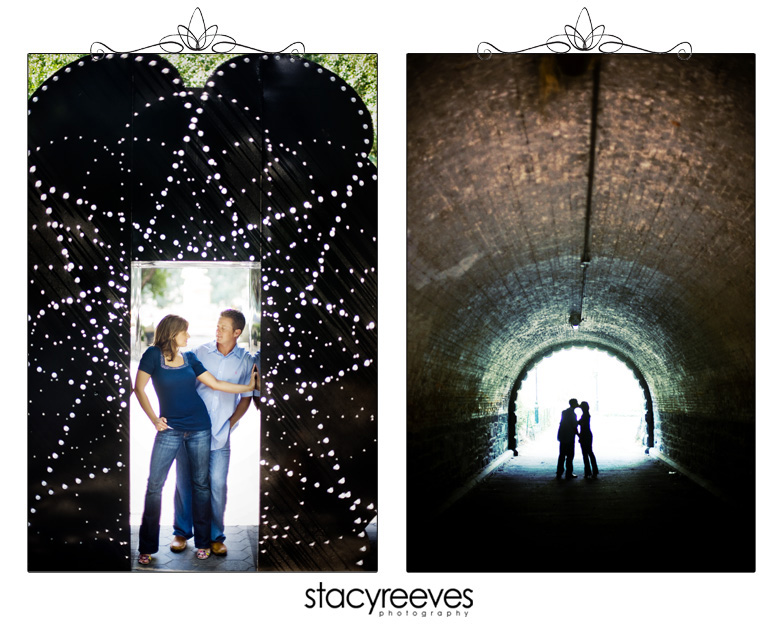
pixel 499 170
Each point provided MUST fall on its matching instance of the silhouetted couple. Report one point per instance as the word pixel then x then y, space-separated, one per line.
pixel 567 430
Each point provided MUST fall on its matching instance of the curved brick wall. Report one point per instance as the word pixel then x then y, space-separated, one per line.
pixel 498 167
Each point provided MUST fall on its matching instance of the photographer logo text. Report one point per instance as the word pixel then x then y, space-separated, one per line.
pixel 393 601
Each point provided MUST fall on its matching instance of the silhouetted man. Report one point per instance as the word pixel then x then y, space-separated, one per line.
pixel 567 431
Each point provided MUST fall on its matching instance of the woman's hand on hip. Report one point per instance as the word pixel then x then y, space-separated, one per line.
pixel 161 424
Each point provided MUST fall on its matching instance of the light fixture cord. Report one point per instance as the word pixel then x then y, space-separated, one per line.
pixel 586 258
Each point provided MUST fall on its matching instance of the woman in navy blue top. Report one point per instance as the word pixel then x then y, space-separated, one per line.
pixel 183 421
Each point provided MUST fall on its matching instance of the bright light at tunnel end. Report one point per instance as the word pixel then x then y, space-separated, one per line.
pixel 611 389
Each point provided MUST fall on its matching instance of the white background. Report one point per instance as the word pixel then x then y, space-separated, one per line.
pixel 392 29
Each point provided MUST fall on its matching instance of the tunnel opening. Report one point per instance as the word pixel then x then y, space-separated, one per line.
pixel 548 210
pixel 616 392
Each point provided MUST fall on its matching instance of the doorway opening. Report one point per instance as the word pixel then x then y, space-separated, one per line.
pixel 616 396
pixel 197 291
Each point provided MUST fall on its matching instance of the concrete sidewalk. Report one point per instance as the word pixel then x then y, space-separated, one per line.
pixel 639 515
pixel 241 541
pixel 242 544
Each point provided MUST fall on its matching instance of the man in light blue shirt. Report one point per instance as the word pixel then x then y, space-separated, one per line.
pixel 228 362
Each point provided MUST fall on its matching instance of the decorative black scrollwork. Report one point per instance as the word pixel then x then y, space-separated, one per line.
pixel 196 37
pixel 584 38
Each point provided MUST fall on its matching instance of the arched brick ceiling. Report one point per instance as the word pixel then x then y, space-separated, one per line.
pixel 498 178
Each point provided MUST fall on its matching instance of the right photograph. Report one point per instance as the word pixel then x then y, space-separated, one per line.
pixel 581 313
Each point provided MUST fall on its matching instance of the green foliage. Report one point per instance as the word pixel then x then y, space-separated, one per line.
pixel 195 69
pixel 155 283
pixel 358 70
pixel 42 66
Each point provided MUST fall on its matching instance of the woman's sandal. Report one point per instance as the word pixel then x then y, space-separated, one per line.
pixel 145 559
pixel 202 554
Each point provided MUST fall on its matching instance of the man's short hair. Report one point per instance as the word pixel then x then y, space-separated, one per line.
pixel 236 317
pixel 573 402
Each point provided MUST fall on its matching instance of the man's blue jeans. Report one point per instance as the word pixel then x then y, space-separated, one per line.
pixel 196 447
pixel 183 497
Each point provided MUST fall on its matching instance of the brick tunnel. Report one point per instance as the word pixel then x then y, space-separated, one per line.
pixel 613 191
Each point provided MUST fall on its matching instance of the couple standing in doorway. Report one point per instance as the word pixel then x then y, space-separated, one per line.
pixel 569 428
pixel 202 394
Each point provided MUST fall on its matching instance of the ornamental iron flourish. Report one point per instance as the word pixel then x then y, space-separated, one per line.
pixel 584 38
pixel 196 37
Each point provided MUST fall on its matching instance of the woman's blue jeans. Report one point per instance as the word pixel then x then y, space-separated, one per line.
pixel 183 501
pixel 167 443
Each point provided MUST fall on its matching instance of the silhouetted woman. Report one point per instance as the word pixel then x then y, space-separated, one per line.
pixel 184 421
pixel 586 442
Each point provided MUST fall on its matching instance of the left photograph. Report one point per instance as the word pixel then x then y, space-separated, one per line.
pixel 202 312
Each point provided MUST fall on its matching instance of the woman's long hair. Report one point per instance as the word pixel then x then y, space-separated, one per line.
pixel 166 332
pixel 585 419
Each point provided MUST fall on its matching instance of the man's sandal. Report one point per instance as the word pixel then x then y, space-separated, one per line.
pixel 202 554
pixel 145 559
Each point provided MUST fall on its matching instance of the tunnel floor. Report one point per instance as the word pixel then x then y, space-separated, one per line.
pixel 639 515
